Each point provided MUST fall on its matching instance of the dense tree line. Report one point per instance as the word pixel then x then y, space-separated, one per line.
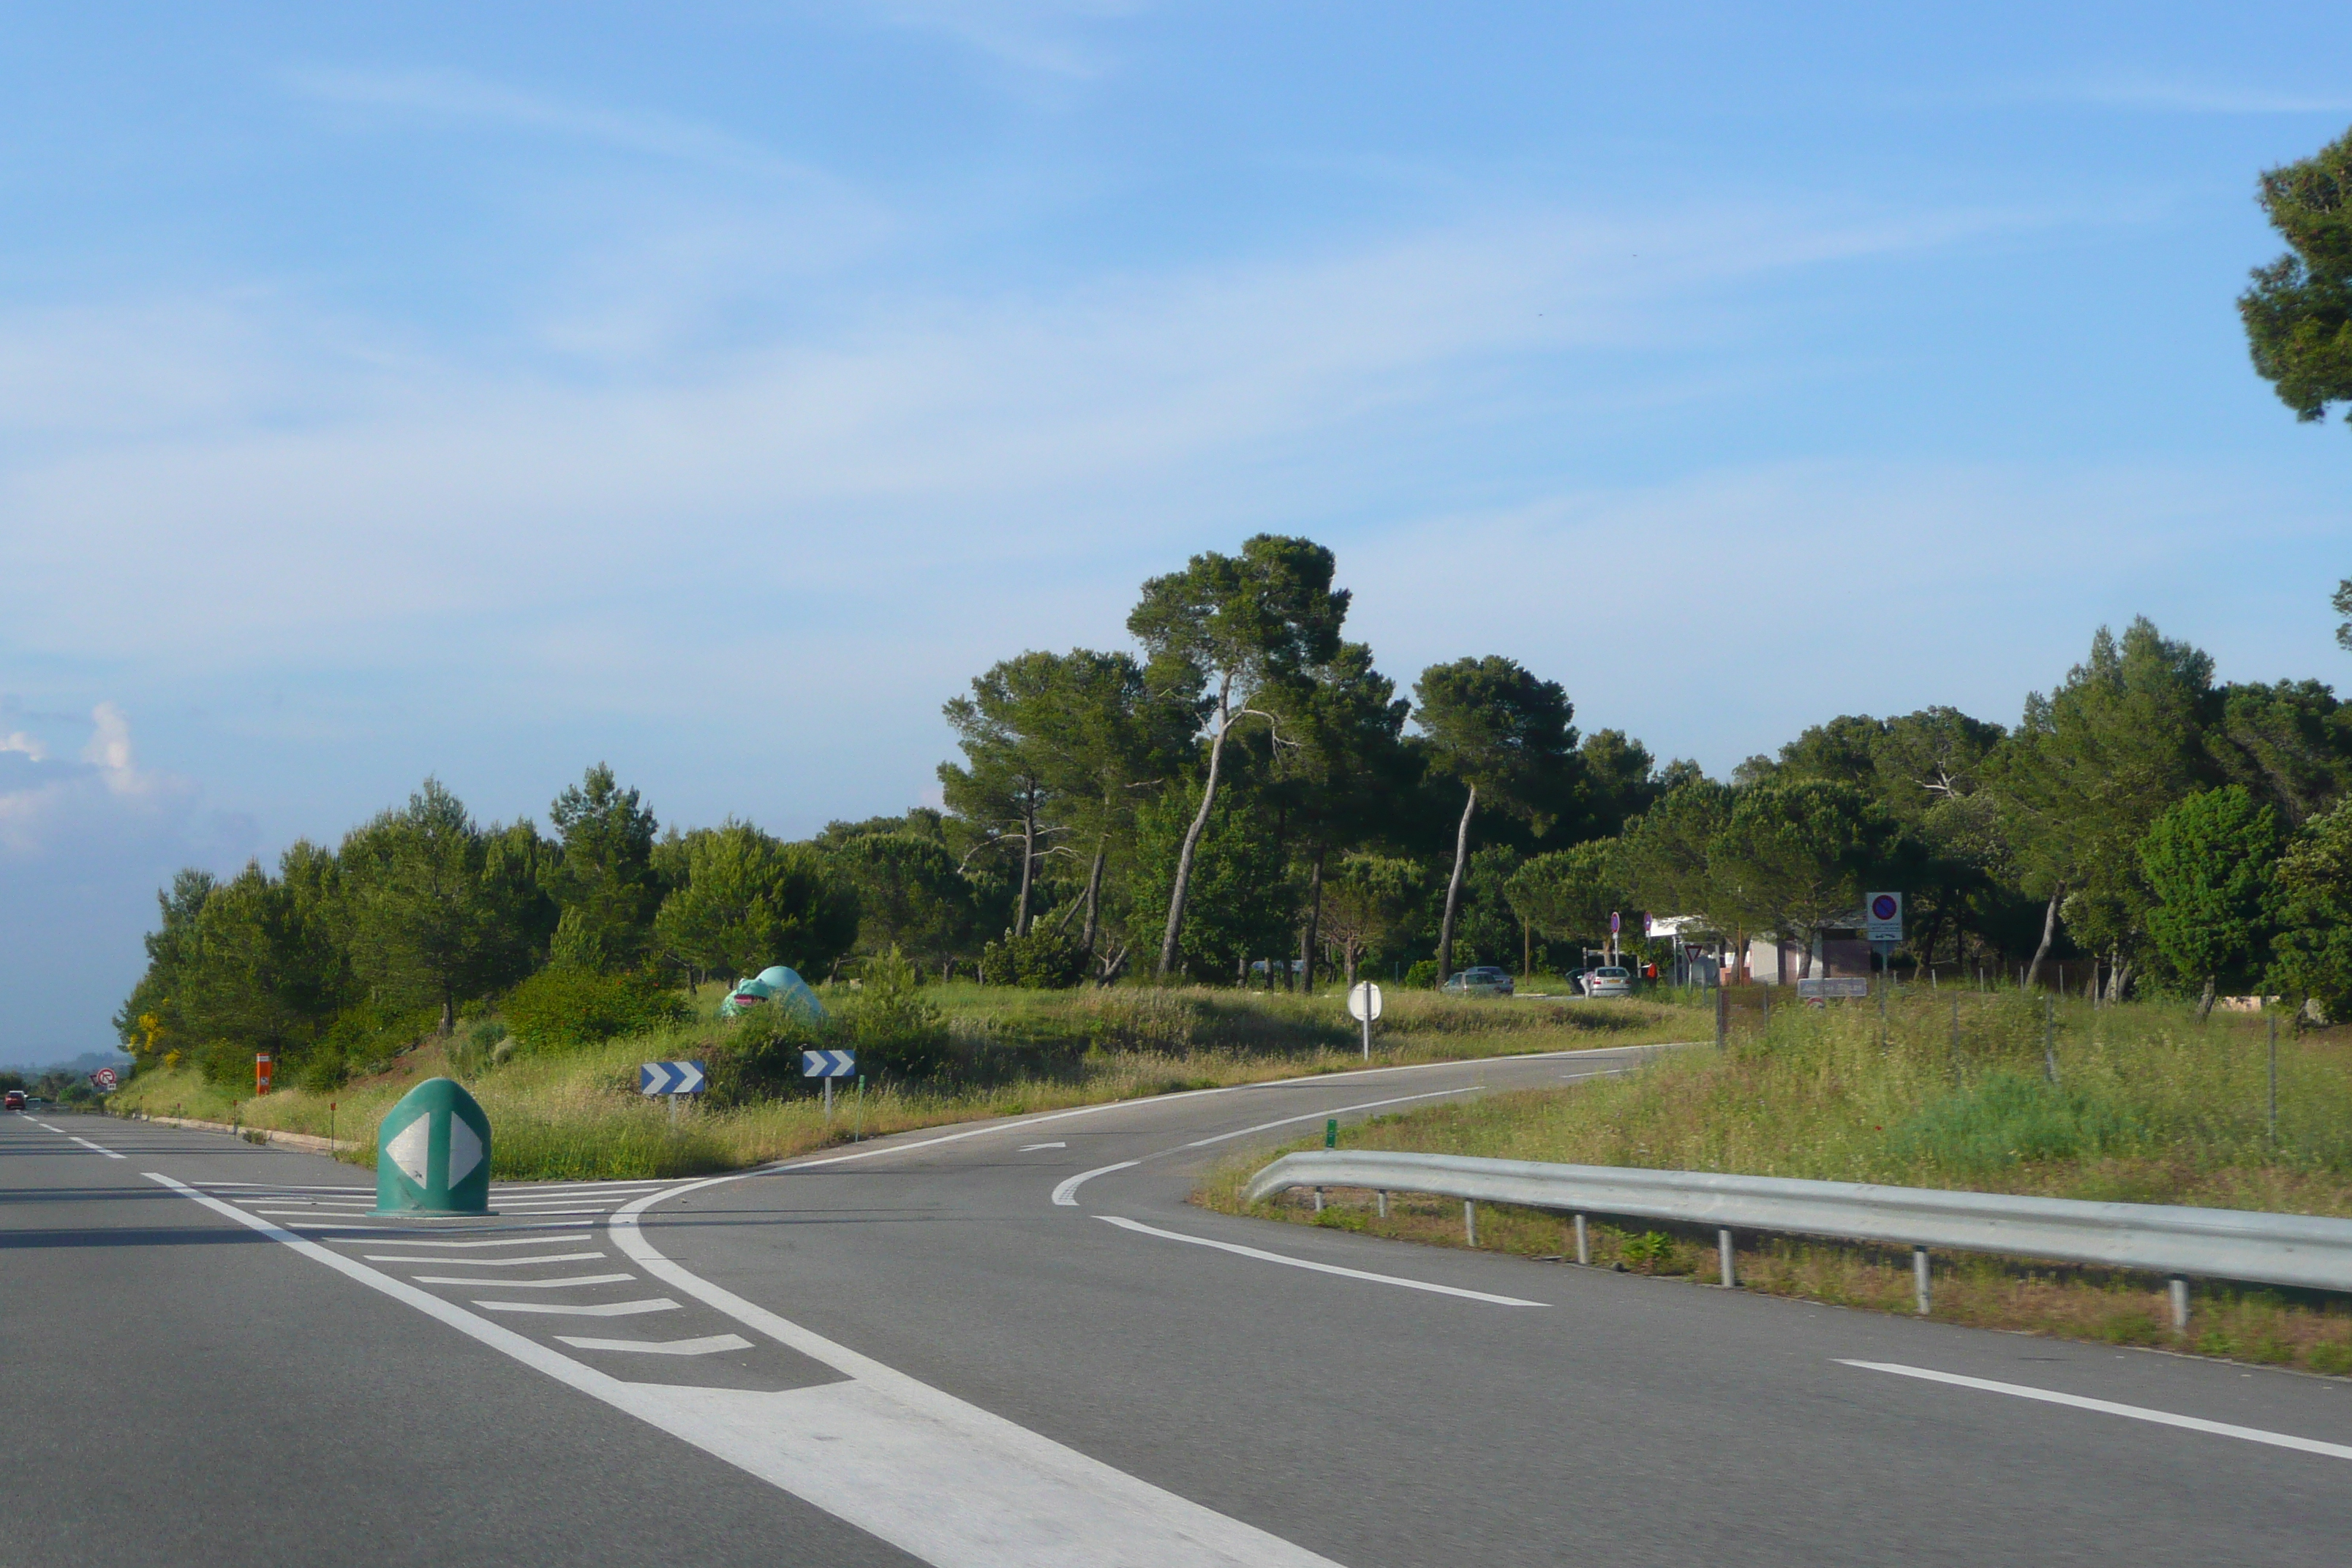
pixel 1245 785
pixel 1244 788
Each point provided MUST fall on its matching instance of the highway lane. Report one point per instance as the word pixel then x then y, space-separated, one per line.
pixel 180 1389
pixel 1626 1418
pixel 942 1356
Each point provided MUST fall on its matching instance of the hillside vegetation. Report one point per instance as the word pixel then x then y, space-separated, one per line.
pixel 2149 1104
pixel 982 1051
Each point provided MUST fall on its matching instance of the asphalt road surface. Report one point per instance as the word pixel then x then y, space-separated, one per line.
pixel 1017 1344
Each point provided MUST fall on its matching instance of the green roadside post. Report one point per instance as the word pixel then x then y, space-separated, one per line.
pixel 1331 1133
pixel 433 1152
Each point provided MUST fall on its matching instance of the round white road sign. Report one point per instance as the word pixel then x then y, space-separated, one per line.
pixel 1364 1001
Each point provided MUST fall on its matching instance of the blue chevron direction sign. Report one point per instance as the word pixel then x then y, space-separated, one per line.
pixel 828 1064
pixel 670 1078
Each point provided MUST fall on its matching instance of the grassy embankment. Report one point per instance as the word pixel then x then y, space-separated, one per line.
pixel 2151 1106
pixel 577 1113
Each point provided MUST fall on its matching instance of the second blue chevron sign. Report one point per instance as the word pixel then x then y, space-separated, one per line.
pixel 828 1064
pixel 669 1078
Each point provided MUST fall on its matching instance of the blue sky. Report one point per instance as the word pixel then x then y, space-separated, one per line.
pixel 487 391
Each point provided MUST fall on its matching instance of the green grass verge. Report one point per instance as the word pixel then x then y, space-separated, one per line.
pixel 577 1115
pixel 2150 1105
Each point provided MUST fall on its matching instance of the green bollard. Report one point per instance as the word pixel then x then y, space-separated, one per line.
pixel 1331 1133
pixel 432 1154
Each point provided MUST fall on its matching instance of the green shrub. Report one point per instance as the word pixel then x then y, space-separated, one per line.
pixel 1044 960
pixel 324 1068
pixel 1421 976
pixel 896 1033
pixel 562 1009
pixel 474 1050
pixel 757 1056
pixel 1647 1250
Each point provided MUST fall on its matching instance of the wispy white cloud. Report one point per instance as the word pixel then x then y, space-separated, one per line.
pixel 1049 37
pixel 2177 94
pixel 453 96
pixel 23 745
pixel 1784 593
pixel 905 426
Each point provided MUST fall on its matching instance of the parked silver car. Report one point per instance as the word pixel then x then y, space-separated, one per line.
pixel 1481 981
pixel 1609 980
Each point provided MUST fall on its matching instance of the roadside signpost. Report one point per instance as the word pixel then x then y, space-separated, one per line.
pixel 672 1079
pixel 103 1080
pixel 828 1066
pixel 1364 1005
pixel 433 1152
pixel 1882 920
pixel 261 1068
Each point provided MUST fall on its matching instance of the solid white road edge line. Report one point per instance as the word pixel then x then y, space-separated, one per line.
pixel 2109 1408
pixel 1066 1194
pixel 944 1481
pixel 1239 1251
pixel 87 1144
pixel 1025 1123
pixel 1335 1111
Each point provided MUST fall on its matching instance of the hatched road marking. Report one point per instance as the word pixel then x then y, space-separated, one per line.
pixel 521 1284
pixel 707 1346
pixel 385 1239
pixel 478 1262
pixel 945 1481
pixel 584 1308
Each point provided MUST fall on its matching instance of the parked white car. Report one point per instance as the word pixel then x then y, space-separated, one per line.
pixel 1610 980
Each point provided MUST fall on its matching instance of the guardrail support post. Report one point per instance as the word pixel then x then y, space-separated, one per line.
pixel 2179 1304
pixel 1583 1243
pixel 1319 1200
pixel 1919 1278
pixel 1469 1223
pixel 1724 1251
pixel 1384 1204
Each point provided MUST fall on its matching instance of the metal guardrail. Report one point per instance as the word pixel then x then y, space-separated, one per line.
pixel 2303 1250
